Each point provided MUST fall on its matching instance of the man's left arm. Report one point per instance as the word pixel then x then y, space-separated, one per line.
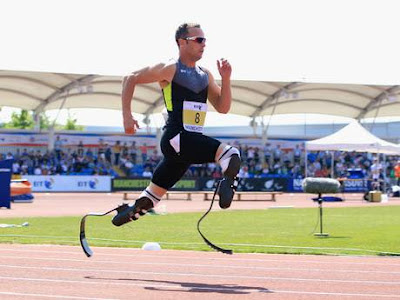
pixel 221 97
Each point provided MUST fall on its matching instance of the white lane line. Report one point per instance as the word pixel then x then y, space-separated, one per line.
pixel 51 296
pixel 139 253
pixel 199 265
pixel 211 287
pixel 336 294
pixel 223 276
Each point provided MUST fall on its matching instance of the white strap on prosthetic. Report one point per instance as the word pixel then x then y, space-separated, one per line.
pixel 225 157
pixel 149 194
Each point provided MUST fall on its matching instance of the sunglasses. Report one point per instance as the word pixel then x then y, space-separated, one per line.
pixel 197 39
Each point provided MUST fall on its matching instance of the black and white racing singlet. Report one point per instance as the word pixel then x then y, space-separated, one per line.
pixel 186 99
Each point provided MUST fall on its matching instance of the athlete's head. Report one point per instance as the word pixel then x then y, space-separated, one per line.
pixel 190 39
pixel 183 31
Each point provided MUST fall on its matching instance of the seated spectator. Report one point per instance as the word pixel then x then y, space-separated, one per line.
pixel 243 172
pixel 216 173
pixel 147 173
pixel 16 168
pixel 37 171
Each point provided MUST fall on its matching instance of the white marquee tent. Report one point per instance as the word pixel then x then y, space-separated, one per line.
pixel 353 137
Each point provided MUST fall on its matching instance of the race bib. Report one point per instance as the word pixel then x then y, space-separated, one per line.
pixel 194 115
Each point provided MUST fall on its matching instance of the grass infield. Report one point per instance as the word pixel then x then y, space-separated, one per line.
pixel 352 231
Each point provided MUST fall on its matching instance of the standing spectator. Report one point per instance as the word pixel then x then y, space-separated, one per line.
pixel 397 172
pixel 267 153
pixel 250 154
pixel 133 152
pixel 108 153
pixel 376 169
pixel 143 151
pixel 277 153
pixel 297 154
pixel 58 147
pixel 256 155
pixel 101 149
pixel 286 159
pixel 80 148
pixel 117 152
pixel 125 149
pixel 17 154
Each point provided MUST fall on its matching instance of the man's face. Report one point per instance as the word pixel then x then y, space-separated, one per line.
pixel 192 46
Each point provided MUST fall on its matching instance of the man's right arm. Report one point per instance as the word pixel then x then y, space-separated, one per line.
pixel 158 73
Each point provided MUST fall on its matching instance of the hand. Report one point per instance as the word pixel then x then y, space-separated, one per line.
pixel 130 125
pixel 224 68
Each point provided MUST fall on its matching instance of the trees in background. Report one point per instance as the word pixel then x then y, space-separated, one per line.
pixel 24 120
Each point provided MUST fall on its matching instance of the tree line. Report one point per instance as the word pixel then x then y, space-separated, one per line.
pixel 24 120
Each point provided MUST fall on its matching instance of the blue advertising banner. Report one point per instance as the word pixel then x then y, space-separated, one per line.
pixel 5 179
pixel 355 185
pixel 297 185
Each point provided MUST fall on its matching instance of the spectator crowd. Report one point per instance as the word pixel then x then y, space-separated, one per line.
pixel 122 159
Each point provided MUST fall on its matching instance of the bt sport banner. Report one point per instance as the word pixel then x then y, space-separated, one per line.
pixel 71 183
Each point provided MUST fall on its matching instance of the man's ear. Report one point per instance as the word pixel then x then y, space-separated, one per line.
pixel 181 42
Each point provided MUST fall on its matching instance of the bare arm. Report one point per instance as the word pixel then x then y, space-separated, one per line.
pixel 158 73
pixel 221 97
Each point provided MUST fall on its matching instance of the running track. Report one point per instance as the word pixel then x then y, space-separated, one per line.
pixel 64 272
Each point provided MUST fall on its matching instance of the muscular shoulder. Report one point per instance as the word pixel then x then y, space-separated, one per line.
pixel 168 70
pixel 157 73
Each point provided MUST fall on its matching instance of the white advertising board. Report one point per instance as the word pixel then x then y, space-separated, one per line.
pixel 70 183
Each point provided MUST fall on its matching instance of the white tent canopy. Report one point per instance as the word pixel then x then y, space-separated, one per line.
pixel 42 91
pixel 353 137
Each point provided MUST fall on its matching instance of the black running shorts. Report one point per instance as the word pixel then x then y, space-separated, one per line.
pixel 194 148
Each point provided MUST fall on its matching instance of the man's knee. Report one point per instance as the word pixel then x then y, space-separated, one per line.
pixel 230 161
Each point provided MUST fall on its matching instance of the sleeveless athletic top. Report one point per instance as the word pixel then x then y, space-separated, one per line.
pixel 186 99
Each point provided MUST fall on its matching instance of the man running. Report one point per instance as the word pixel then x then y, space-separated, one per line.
pixel 186 88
